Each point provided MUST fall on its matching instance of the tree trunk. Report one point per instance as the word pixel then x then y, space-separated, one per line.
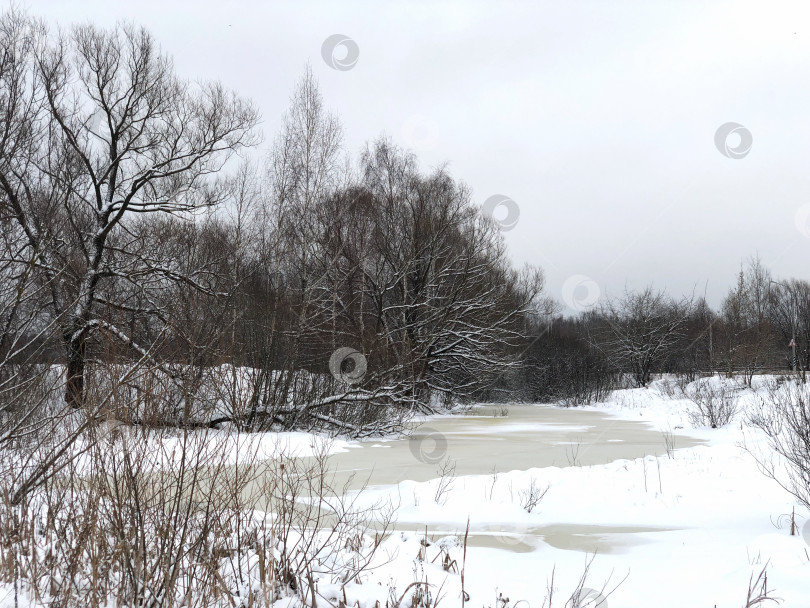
pixel 74 384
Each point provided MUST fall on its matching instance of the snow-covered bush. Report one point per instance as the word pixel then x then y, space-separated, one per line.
pixel 139 518
pixel 713 404
pixel 782 412
pixel 531 496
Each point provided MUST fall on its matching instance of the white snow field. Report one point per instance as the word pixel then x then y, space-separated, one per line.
pixel 660 528
pixel 682 531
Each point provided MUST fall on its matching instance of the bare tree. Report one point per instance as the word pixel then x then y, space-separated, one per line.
pixel 790 314
pixel 748 336
pixel 783 414
pixel 100 129
pixel 424 281
pixel 637 330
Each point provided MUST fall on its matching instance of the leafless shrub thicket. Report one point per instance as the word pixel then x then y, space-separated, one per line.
pixel 783 414
pixel 713 404
pixel 163 518
pixel 671 388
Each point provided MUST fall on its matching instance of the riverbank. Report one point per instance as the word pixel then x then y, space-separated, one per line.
pixel 655 510
pixel 686 528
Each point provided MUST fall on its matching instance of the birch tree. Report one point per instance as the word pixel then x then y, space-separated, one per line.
pixel 748 334
pixel 426 283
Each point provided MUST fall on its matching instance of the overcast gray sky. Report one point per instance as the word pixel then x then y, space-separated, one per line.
pixel 597 118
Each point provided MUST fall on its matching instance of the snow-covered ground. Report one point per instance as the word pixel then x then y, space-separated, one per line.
pixel 687 528
pixel 711 519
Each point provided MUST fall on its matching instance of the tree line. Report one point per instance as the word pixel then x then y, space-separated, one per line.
pixel 762 325
pixel 144 245
pixel 179 275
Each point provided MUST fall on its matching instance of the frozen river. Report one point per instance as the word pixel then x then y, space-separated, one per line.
pixel 484 442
